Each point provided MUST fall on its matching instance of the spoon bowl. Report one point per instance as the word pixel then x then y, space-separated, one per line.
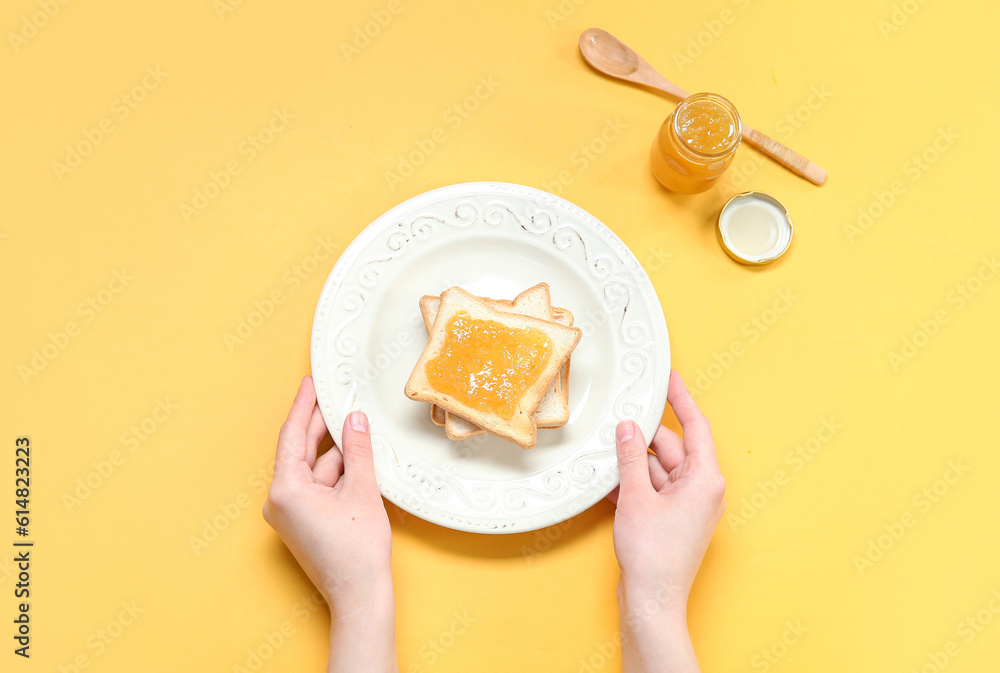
pixel 606 53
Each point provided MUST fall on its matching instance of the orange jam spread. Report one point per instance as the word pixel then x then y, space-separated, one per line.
pixel 706 127
pixel 696 143
pixel 486 365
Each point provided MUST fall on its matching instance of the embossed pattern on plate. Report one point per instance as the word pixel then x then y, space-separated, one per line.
pixel 493 239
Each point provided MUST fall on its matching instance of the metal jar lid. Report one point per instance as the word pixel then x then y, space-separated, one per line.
pixel 755 228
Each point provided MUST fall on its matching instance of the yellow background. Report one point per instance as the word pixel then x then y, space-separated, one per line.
pixel 887 92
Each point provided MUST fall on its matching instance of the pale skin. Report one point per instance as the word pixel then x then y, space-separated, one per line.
pixel 329 513
pixel 668 506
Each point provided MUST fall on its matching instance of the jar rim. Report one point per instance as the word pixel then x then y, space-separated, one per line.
pixel 730 108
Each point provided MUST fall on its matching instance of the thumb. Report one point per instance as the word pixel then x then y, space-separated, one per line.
pixel 633 465
pixel 359 465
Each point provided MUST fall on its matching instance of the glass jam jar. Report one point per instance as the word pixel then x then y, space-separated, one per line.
pixel 696 143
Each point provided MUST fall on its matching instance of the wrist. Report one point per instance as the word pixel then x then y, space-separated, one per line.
pixel 363 630
pixel 643 602
pixel 361 599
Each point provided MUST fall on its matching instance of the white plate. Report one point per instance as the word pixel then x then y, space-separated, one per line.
pixel 493 239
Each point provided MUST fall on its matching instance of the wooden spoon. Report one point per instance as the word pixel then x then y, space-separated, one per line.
pixel 606 53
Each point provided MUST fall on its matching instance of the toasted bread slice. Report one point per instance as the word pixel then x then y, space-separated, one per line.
pixel 520 427
pixel 532 302
pixel 553 411
pixel 455 427
pixel 437 415
pixel 535 302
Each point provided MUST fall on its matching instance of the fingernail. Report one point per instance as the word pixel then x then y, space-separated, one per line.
pixel 626 431
pixel 359 421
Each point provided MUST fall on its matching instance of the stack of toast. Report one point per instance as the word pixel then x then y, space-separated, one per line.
pixel 496 366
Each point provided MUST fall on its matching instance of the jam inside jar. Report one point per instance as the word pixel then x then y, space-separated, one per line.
pixel 696 143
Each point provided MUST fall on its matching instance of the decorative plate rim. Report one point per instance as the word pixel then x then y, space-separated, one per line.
pixel 585 489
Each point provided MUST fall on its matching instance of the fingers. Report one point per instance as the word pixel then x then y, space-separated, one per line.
pixel 292 437
pixel 314 435
pixel 697 432
pixel 633 466
pixel 669 448
pixel 359 465
pixel 657 475
pixel 329 467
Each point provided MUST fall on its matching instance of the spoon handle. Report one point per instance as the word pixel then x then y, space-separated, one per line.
pixel 785 156
pixel 788 158
pixel 650 76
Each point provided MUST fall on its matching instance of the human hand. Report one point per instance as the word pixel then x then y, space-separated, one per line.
pixel 668 506
pixel 330 514
pixel 329 511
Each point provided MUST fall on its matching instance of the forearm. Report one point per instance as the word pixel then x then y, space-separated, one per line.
pixel 363 633
pixel 654 633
